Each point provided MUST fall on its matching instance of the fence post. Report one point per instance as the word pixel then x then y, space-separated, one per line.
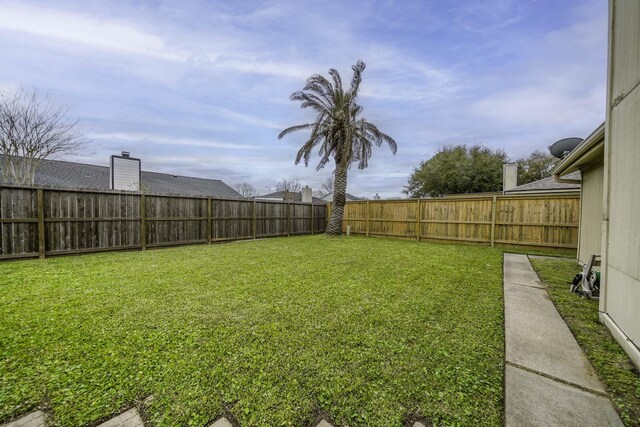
pixel 312 216
pixel 209 221
pixel 367 226
pixel 253 222
pixel 418 220
pixel 288 219
pixel 143 222
pixel 493 221
pixel 41 242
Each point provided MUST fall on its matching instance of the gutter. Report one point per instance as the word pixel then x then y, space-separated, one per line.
pixel 566 180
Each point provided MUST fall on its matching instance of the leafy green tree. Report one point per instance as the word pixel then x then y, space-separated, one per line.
pixel 535 167
pixel 338 132
pixel 458 170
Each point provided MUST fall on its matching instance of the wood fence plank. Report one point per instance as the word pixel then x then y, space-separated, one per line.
pixel 46 221
pixel 253 223
pixel 493 221
pixel 550 221
pixel 41 241
pixel 143 222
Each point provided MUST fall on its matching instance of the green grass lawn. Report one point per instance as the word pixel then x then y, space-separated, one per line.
pixel 367 330
pixel 609 360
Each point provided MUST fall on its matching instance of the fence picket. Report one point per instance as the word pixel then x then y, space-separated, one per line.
pixel 546 221
pixel 35 222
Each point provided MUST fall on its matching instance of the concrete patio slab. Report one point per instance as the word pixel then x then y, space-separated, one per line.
pixel 130 418
pixel 34 419
pixel 533 400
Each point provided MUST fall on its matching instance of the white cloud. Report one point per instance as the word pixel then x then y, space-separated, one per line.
pixel 108 34
pixel 539 105
pixel 259 65
pixel 86 30
pixel 247 118
pixel 559 88
pixel 484 16
pixel 174 141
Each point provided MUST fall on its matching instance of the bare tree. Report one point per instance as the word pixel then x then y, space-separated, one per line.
pixel 289 186
pixel 32 129
pixel 327 186
pixel 245 189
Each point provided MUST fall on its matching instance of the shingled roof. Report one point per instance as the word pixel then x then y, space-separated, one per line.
pixel 348 196
pixel 548 184
pixel 71 175
pixel 289 196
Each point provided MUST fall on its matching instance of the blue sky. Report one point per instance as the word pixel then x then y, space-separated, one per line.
pixel 202 87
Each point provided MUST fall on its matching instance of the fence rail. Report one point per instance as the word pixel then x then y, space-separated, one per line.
pixel 47 221
pixel 546 221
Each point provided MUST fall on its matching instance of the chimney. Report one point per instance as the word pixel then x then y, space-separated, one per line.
pixel 124 172
pixel 307 194
pixel 509 176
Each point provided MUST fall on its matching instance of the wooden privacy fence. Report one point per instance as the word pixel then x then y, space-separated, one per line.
pixel 45 221
pixel 550 221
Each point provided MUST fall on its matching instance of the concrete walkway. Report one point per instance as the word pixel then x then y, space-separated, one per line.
pixel 34 419
pixel 549 381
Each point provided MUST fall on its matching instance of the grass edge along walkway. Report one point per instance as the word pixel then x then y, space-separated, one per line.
pixel 611 363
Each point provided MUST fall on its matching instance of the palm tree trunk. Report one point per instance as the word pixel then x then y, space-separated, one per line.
pixel 339 198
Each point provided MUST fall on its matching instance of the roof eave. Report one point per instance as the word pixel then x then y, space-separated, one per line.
pixel 543 191
pixel 588 150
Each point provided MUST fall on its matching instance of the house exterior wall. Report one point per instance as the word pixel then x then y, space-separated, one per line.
pixel 590 241
pixel 620 301
pixel 625 60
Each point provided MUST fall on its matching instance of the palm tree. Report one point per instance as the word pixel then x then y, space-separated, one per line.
pixel 338 131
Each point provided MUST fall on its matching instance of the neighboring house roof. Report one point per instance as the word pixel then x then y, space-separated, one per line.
pixel 350 197
pixel 589 151
pixel 548 185
pixel 63 174
pixel 288 196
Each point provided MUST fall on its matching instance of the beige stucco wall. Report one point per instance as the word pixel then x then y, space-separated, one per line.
pixel 621 225
pixel 590 241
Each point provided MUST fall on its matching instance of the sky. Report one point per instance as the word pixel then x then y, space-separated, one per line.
pixel 201 88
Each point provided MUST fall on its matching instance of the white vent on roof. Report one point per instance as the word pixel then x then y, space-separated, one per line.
pixel 124 173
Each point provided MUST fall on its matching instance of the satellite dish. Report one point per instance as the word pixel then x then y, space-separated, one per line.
pixel 563 147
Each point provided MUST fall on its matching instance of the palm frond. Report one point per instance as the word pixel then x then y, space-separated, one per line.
pixel 294 129
pixel 337 132
pixel 358 68
pixel 337 80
